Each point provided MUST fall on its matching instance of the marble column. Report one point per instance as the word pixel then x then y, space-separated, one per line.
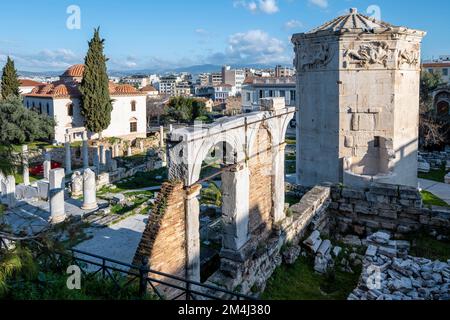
pixel 68 155
pixel 25 165
pixel 47 165
pixel 108 159
pixel 102 155
pixel 57 186
pixel 96 161
pixel 161 137
pixel 2 188
pixel 116 152
pixel 279 188
pixel 77 185
pixel 235 209
pixel 129 151
pixel 85 151
pixel 192 207
pixel 89 191
pixel 141 146
pixel 9 191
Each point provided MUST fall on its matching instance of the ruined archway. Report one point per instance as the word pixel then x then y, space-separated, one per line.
pixel 252 183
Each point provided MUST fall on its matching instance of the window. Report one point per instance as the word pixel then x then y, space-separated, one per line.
pixel 133 106
pixel 445 72
pixel 270 93
pixel 40 108
pixel 48 108
pixel 282 93
pixel 248 96
pixel 261 94
pixel 133 125
pixel 70 110
pixel 28 105
pixel 430 70
pixel 293 98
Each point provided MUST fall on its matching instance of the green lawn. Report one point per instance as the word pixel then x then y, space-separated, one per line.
pixel 434 175
pixel 425 246
pixel 430 199
pixel 291 141
pixel 144 180
pixel 300 282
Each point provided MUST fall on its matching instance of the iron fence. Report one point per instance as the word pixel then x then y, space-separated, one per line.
pixel 94 265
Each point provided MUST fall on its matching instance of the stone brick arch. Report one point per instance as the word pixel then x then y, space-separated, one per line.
pixel 251 185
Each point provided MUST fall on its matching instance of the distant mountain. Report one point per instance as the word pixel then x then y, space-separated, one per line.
pixel 195 70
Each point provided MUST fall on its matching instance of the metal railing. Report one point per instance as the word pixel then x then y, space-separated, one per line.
pixel 149 279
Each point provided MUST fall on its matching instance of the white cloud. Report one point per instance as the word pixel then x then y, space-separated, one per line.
pixel 320 3
pixel 293 24
pixel 265 6
pixel 252 47
pixel 46 59
pixel 268 6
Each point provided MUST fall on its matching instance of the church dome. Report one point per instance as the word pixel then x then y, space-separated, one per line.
pixel 125 89
pixel 74 71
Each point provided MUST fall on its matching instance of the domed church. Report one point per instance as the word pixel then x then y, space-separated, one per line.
pixel 61 100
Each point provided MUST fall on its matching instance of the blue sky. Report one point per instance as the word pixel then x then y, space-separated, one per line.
pixel 174 33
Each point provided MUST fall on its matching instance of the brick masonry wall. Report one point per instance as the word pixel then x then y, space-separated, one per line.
pixel 164 239
pixel 260 202
pixel 393 208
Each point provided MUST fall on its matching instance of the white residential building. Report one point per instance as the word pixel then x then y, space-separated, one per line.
pixel 255 89
pixel 168 84
pixel 61 100
pixel 233 77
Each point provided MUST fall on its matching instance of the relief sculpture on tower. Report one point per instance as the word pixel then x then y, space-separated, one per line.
pixel 313 57
pixel 373 53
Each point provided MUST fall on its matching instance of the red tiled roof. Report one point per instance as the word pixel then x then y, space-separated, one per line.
pixel 436 65
pixel 29 83
pixel 148 88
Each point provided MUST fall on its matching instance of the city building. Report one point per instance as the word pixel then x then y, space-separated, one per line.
pixel 282 72
pixel 215 78
pixel 203 79
pixel 61 100
pixel 183 88
pixel 168 84
pixel 140 81
pixel 440 66
pixel 233 77
pixel 150 91
pixel 218 93
pixel 255 89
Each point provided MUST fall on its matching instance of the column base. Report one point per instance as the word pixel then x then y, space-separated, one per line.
pixel 58 219
pixel 90 206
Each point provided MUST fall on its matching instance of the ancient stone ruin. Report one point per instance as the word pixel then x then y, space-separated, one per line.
pixel 358 87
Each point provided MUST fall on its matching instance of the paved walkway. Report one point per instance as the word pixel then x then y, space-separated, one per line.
pixel 440 190
pixel 118 242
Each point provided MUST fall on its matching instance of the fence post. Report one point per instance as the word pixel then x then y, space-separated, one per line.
pixel 143 276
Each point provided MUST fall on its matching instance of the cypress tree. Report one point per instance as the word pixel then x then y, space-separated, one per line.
pixel 10 81
pixel 96 104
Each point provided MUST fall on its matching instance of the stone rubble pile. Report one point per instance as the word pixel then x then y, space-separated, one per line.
pixel 389 273
pixel 435 159
pixel 325 253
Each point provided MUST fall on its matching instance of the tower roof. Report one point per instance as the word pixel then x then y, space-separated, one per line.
pixel 353 20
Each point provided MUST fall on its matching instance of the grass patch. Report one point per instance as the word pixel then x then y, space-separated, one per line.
pixel 211 195
pixel 430 199
pixel 434 175
pixel 425 246
pixel 144 180
pixel 300 282
pixel 291 157
pixel 19 178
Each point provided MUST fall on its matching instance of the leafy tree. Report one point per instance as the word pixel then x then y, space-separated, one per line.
pixel 10 81
pixel 19 125
pixel 433 130
pixel 184 109
pixel 96 104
